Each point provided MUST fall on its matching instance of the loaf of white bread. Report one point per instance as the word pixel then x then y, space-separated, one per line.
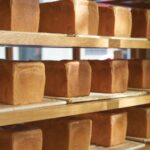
pixel 65 133
pixel 114 21
pixel 139 73
pixel 139 122
pixel 108 128
pixel 67 78
pixel 20 138
pixel 19 15
pixel 21 82
pixel 140 23
pixel 69 17
pixel 109 76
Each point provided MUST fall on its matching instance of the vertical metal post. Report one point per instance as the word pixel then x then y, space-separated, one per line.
pixel 76 53
pixel 9 53
pixel 139 53
pixel 118 54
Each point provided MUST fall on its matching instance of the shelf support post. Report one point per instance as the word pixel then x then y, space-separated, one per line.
pixel 76 53
pixel 138 53
pixel 9 53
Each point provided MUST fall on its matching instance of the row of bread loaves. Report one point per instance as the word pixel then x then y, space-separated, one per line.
pixel 107 129
pixel 23 82
pixel 58 134
pixel 116 76
pixel 79 78
pixel 102 129
pixel 73 17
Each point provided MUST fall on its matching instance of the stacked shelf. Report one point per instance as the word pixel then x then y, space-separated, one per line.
pixel 53 107
pixel 18 114
pixel 58 107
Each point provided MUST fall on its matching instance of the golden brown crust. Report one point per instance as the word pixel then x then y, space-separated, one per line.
pixel 138 122
pixel 109 76
pixel 123 21
pixel 139 73
pixel 105 27
pixel 19 15
pixel 86 17
pixel 23 82
pixel 65 133
pixel 24 138
pixel 5 15
pixel 148 23
pixel 69 17
pixel 111 22
pixel 140 22
pixel 57 17
pixel 67 78
pixel 109 128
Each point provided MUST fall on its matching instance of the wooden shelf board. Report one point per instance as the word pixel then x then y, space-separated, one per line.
pixel 128 145
pixel 146 148
pixel 11 38
pixel 141 44
pixel 34 114
pixel 143 140
pixel 49 40
pixel 101 96
pixel 45 103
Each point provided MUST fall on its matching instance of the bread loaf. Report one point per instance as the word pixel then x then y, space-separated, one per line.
pixel 19 15
pixel 109 76
pixel 108 128
pixel 115 21
pixel 22 82
pixel 141 23
pixel 20 138
pixel 67 78
pixel 86 17
pixel 139 73
pixel 65 134
pixel 139 122
pixel 69 17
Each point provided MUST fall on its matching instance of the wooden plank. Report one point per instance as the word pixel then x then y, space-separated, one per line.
pixel 46 103
pixel 49 40
pixel 128 102
pixel 100 96
pixel 146 148
pixel 138 89
pixel 134 43
pixel 140 44
pixel 143 140
pixel 49 112
pixel 22 116
pixel 63 40
pixel 128 145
